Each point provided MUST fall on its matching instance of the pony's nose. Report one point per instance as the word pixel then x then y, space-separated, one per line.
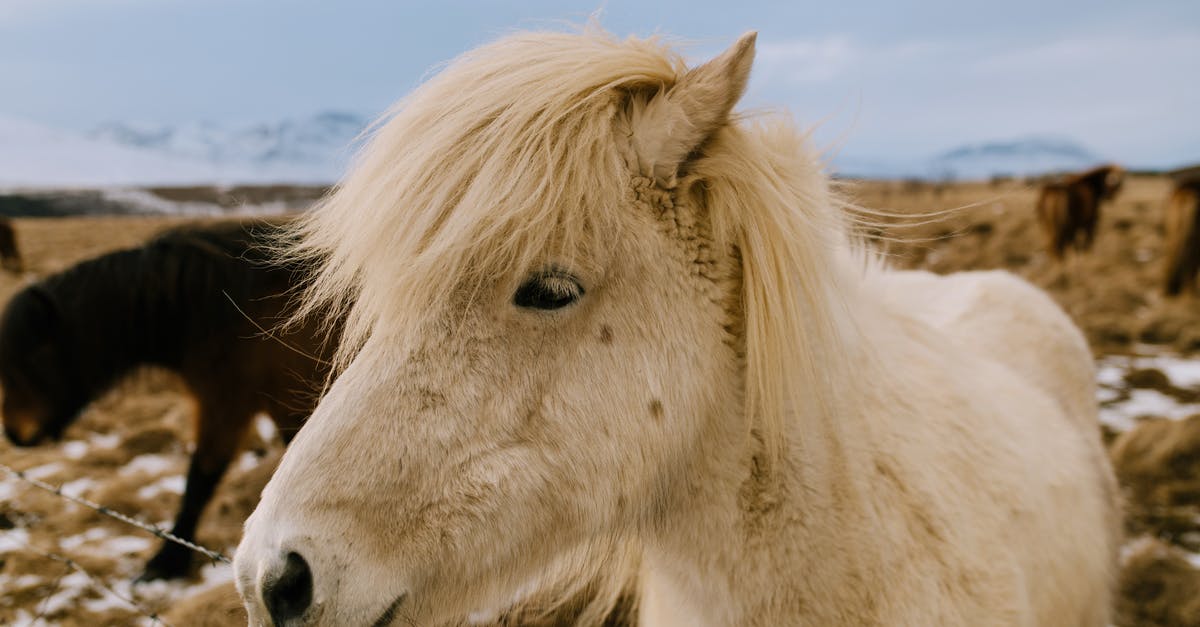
pixel 288 592
pixel 22 434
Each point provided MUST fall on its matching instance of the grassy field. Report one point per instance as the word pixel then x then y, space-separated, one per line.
pixel 130 449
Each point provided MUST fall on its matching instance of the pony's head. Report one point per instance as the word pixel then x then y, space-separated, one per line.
pixel 1114 178
pixel 40 397
pixel 579 291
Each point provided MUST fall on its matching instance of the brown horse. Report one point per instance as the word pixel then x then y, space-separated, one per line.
pixel 204 302
pixel 10 256
pixel 1068 209
pixel 1183 232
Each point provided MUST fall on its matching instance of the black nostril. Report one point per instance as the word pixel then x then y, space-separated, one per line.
pixel 289 593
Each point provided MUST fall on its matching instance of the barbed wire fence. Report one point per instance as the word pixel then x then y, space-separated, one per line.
pixel 144 526
pixel 70 564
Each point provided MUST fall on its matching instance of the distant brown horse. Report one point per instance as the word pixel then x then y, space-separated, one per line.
pixel 10 256
pixel 1183 232
pixel 204 302
pixel 1069 209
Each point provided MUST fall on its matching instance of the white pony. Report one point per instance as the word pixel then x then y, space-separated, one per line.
pixel 591 312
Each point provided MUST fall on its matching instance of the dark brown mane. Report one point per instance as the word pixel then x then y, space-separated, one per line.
pixel 195 300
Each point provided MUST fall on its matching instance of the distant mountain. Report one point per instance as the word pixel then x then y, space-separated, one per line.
pixel 310 150
pixel 33 155
pixel 325 138
pixel 1019 157
pixel 316 150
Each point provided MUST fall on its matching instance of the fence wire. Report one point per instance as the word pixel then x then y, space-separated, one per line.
pixel 147 527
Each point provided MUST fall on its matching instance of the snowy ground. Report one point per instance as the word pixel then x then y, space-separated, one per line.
pixel 1122 404
pixel 126 454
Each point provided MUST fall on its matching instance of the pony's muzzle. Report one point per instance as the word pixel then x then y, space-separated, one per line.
pixel 286 586
pixel 23 433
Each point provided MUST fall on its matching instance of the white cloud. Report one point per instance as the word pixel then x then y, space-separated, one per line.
pixel 1169 52
pixel 1127 95
pixel 807 60
pixel 836 57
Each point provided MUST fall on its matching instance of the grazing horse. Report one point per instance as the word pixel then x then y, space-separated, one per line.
pixel 590 310
pixel 200 301
pixel 1183 232
pixel 10 255
pixel 1069 209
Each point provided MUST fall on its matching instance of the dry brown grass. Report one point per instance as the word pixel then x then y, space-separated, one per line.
pixel 1114 292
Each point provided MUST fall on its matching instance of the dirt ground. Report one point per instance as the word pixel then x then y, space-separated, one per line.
pixel 130 449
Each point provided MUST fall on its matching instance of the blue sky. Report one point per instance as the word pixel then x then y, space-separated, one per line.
pixel 882 78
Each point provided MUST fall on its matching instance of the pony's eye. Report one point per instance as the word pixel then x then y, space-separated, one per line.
pixel 548 290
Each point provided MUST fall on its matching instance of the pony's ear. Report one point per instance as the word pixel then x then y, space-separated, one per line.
pixel 674 124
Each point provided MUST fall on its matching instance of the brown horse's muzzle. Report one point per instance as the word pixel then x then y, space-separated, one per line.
pixel 23 430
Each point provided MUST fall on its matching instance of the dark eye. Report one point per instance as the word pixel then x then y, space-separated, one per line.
pixel 548 290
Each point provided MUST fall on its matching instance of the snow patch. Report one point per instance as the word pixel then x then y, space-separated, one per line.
pixel 266 428
pixel 9 488
pixel 72 543
pixel 173 484
pixel 1110 375
pixel 105 440
pixel 17 538
pixel 78 487
pixel 122 545
pixel 75 449
pixel 150 463
pixel 1121 406
pixel 247 461
pixel 70 588
pixel 105 603
pixel 8 582
pixel 44 471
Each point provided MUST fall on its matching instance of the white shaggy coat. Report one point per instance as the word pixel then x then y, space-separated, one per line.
pixel 782 432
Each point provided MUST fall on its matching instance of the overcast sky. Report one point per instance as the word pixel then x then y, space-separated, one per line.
pixel 883 78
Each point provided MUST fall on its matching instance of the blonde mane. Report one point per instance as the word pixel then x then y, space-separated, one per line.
pixel 512 151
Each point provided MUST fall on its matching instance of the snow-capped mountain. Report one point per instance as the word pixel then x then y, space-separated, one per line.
pixel 310 150
pixel 316 150
pixel 33 155
pixel 325 138
pixel 1020 157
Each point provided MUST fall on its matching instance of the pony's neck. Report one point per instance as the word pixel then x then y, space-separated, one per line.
pixel 758 543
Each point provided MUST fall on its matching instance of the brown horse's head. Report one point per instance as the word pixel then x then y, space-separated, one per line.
pixel 1113 178
pixel 40 396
